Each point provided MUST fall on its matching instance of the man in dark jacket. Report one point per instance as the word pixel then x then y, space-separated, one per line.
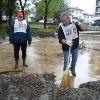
pixel 20 34
pixel 68 36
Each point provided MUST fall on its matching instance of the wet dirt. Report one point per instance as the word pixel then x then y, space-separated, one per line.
pixel 45 56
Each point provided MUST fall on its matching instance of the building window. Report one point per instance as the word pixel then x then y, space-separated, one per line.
pixel 98 10
pixel 98 3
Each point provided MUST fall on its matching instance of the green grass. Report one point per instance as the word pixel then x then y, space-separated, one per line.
pixel 34 25
pixel 38 30
pixel 40 25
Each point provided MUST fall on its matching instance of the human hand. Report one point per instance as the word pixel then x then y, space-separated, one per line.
pixel 64 41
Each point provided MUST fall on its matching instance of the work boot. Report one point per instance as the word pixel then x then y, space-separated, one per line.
pixel 24 62
pixel 16 63
pixel 73 72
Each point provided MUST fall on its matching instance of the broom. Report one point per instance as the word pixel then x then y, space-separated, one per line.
pixel 66 82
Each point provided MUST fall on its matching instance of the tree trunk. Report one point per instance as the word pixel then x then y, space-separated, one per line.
pixel 46 14
pixel 45 20
pixel 22 7
pixel 10 18
pixel 0 17
pixel 23 12
pixel 0 12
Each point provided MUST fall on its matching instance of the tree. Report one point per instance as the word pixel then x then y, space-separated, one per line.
pixel 46 8
pixel 1 12
pixel 7 7
pixel 81 20
pixel 23 7
pixel 10 7
pixel 64 8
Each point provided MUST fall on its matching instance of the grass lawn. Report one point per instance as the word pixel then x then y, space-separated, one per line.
pixel 40 25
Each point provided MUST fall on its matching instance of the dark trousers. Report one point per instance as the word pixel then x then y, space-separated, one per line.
pixel 17 47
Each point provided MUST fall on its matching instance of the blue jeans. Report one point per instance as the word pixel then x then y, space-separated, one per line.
pixel 74 59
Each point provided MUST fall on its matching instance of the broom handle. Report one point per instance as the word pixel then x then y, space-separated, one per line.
pixel 68 64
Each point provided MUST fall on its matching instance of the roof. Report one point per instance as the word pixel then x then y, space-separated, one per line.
pixel 76 8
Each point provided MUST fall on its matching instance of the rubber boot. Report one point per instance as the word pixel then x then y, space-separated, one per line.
pixel 16 63
pixel 73 71
pixel 24 62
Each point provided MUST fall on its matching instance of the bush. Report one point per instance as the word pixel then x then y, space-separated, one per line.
pixel 3 33
pixel 36 32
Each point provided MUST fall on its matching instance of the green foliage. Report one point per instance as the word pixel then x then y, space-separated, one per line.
pixel 40 32
pixel 52 7
pixel 64 8
pixel 81 20
pixel 7 5
pixel 3 33
pixel 38 17
pixel 75 18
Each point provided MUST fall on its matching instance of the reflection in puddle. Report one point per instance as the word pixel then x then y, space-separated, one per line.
pixel 45 55
pixel 82 69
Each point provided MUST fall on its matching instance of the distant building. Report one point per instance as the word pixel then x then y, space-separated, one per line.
pixel 78 13
pixel 97 13
pixel 89 18
pixel 97 10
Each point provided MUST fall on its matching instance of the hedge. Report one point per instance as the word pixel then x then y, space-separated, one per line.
pixel 36 32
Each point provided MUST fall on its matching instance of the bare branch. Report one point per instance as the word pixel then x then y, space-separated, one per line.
pixel 25 3
pixel 21 3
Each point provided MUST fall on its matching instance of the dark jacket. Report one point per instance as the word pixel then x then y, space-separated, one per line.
pixel 20 37
pixel 61 36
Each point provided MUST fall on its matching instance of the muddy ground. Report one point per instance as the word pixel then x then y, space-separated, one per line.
pixel 45 56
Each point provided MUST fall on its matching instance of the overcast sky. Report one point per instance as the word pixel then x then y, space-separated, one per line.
pixel 87 5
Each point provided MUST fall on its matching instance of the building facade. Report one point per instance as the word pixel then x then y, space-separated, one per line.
pixel 97 13
pixel 97 10
pixel 79 14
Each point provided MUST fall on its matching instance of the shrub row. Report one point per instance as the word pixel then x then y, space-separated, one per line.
pixel 36 32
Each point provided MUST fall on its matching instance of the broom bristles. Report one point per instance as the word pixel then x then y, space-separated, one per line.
pixel 65 83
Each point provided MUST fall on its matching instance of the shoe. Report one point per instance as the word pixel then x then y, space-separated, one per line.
pixel 25 65
pixel 73 72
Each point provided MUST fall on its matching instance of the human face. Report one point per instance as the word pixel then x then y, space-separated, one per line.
pixel 20 18
pixel 65 20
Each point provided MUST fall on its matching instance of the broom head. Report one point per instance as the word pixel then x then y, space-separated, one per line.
pixel 65 82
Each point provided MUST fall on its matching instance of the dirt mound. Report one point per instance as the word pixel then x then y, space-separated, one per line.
pixel 42 87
